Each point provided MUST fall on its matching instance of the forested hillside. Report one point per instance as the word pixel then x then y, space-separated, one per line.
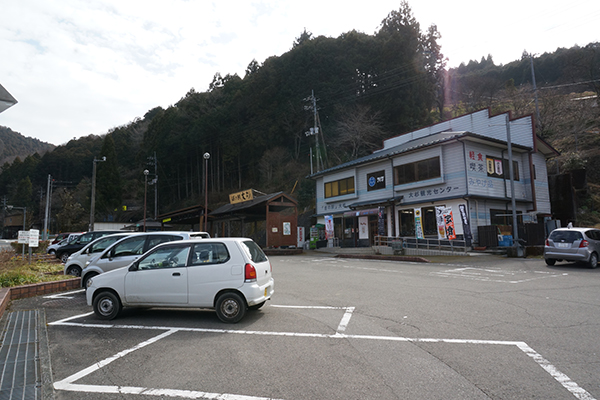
pixel 13 145
pixel 366 86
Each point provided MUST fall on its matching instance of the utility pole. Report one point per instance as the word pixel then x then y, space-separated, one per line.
pixel 314 131
pixel 93 205
pixel 152 160
pixel 538 121
pixel 47 212
pixel 513 201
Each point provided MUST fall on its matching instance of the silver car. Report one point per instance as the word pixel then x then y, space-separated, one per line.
pixel 124 251
pixel 573 244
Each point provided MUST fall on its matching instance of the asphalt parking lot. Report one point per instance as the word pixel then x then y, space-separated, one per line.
pixel 468 328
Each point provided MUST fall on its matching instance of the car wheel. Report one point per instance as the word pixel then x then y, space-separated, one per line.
pixel 74 270
pixel 84 282
pixel 64 257
pixel 550 261
pixel 256 306
pixel 107 305
pixel 593 263
pixel 230 307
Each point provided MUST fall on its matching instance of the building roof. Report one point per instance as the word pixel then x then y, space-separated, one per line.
pixel 417 144
pixel 6 99
pixel 254 206
pixel 465 126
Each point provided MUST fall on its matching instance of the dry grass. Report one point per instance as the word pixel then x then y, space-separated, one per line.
pixel 14 271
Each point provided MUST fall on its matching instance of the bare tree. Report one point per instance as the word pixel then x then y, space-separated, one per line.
pixel 359 132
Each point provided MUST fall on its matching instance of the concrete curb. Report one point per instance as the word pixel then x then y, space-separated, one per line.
pixel 36 289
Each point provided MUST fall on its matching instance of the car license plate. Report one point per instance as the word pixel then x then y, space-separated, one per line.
pixel 563 245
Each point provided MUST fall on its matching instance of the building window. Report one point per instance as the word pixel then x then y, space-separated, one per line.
pixel 417 171
pixel 428 222
pixel 498 168
pixel 339 188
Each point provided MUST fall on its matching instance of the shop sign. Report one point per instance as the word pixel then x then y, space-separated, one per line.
pixel 240 197
pixel 381 221
pixel 418 224
pixel 358 213
pixel 431 192
pixel 449 223
pixel 329 226
pixel 376 181
pixel 464 216
pixel 363 227
pixel 439 219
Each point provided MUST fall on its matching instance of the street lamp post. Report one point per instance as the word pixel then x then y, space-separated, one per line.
pixel 146 172
pixel 93 205
pixel 206 157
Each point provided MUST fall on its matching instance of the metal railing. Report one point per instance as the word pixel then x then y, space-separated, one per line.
pixel 399 243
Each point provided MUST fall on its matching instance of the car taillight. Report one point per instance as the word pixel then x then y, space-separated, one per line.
pixel 584 243
pixel 271 266
pixel 250 272
pixel 547 242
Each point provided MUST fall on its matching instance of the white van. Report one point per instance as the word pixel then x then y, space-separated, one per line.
pixel 129 249
pixel 78 260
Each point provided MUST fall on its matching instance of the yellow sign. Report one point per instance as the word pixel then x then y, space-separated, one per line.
pixel 240 197
pixel 166 220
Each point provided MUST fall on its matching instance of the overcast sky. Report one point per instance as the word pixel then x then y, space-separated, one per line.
pixel 80 67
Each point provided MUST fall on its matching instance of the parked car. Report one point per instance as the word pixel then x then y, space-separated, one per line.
pixel 230 275
pixel 127 250
pixel 573 244
pixel 78 260
pixel 53 247
pixel 60 236
pixel 79 243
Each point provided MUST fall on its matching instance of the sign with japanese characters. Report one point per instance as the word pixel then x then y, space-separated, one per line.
pixel 418 224
pixel 449 223
pixel 240 197
pixel 439 219
pixel 363 227
pixel 464 216
pixel 376 181
pixel 435 192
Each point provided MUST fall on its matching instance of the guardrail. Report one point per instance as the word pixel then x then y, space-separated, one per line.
pixel 398 244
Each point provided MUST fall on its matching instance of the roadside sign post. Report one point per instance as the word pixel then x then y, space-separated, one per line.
pixel 23 239
pixel 34 241
pixel 31 238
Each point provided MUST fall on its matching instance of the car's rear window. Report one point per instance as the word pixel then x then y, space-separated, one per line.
pixel 565 236
pixel 254 251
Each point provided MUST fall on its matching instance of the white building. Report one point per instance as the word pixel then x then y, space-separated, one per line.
pixel 453 166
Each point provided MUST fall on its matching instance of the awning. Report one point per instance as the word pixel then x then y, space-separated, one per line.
pixel 374 203
pixel 357 213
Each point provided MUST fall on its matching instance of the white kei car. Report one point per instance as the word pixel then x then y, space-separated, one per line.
pixel 229 275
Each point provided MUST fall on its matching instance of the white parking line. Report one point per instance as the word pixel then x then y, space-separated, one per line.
pixel 345 319
pixel 68 383
pixel 496 275
pixel 65 295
